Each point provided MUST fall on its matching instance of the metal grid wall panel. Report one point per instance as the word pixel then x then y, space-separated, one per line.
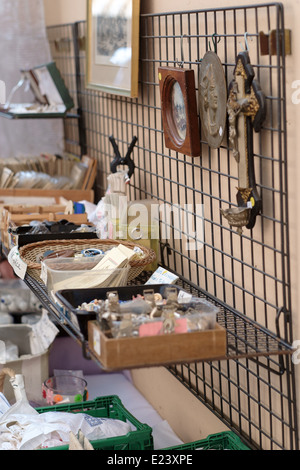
pixel 248 275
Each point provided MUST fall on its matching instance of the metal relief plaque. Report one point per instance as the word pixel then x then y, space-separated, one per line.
pixel 212 99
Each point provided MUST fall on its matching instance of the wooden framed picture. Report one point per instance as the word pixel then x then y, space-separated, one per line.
pixel 113 46
pixel 179 110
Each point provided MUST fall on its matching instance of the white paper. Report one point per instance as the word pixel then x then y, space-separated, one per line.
pixel 97 342
pixel 43 334
pixel 18 265
pixel 184 297
pixel 4 404
pixel 162 276
pixel 43 274
pixel 32 431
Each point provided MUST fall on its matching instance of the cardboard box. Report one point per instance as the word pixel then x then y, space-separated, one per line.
pixel 14 216
pixel 33 342
pixel 35 370
pixel 20 237
pixel 123 353
pixel 40 196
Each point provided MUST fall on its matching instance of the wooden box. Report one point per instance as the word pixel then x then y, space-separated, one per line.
pixel 123 353
pixel 13 216
pixel 36 196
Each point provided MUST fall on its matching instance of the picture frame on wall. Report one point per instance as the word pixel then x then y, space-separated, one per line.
pixel 112 54
pixel 179 110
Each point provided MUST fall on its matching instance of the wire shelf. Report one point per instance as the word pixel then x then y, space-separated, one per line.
pixel 245 338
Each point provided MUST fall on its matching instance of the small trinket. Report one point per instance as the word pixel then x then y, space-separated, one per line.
pixel 149 297
pixel 169 325
pixel 113 304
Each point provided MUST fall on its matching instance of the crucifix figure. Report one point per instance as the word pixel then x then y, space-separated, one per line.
pixel 246 108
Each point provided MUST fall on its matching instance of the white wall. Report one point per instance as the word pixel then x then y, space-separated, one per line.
pixel 64 11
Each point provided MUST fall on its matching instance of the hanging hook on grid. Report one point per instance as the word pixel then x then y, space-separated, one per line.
pixel 215 42
pixel 182 51
pixel 246 47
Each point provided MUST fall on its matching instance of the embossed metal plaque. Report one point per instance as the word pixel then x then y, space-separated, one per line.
pixel 212 99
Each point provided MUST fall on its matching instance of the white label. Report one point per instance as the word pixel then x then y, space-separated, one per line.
pixel 18 265
pixel 184 297
pixel 43 334
pixel 43 275
pixel 162 276
pixel 97 342
pixel 74 320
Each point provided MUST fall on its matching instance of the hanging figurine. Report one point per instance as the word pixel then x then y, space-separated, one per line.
pixel 246 108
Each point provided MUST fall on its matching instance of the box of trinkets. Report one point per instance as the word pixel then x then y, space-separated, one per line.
pixel 148 325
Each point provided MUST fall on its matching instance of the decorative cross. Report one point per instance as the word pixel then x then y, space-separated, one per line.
pixel 246 108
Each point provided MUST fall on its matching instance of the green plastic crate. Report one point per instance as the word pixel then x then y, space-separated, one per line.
pixel 109 407
pixel 222 441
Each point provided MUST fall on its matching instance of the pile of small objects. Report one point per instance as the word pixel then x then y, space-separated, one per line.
pixel 119 318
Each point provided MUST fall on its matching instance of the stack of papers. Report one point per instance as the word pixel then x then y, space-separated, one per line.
pixel 108 272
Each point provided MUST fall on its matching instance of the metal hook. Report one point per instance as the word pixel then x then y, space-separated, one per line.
pixel 215 42
pixel 182 53
pixel 246 49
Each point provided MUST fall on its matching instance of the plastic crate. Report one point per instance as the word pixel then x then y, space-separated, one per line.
pixel 109 407
pixel 227 440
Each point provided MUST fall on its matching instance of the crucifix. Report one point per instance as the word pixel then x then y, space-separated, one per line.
pixel 246 108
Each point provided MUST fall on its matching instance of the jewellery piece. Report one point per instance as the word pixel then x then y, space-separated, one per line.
pixel 246 107
pixel 212 93
pixel 90 252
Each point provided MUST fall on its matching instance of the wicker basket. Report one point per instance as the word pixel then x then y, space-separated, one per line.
pixel 33 251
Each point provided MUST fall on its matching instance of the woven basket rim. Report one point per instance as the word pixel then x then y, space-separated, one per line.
pixel 149 254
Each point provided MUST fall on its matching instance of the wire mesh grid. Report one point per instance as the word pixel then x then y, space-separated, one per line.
pixel 247 274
